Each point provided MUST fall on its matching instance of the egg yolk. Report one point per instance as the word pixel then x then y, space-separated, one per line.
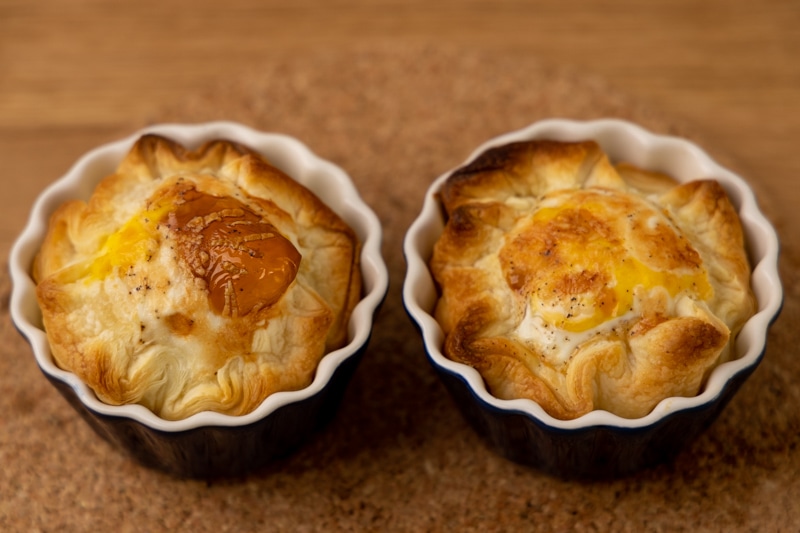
pixel 581 259
pixel 135 241
pixel 245 262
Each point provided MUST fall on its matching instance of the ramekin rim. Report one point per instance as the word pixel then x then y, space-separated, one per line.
pixel 374 269
pixel 765 273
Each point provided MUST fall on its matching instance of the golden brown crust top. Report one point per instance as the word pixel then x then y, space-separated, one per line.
pixel 582 285
pixel 196 280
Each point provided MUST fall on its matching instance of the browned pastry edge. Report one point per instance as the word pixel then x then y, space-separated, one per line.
pixel 662 351
pixel 225 370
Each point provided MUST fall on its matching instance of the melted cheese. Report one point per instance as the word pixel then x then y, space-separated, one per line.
pixel 243 261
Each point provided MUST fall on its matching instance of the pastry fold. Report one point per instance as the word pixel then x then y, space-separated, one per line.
pixel 582 284
pixel 196 280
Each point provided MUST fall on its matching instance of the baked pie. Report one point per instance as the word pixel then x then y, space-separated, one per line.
pixel 193 281
pixel 587 285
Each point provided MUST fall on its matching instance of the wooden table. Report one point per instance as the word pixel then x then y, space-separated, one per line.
pixel 80 73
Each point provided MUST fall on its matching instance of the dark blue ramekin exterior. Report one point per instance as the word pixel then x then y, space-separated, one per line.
pixel 592 452
pixel 210 452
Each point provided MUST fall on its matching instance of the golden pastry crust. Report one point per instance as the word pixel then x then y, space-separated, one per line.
pixel 196 281
pixel 583 285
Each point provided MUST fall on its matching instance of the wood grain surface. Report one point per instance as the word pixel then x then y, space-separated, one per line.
pixel 410 82
pixel 78 73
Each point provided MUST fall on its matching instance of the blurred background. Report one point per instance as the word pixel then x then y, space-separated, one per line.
pixel 397 92
pixel 75 74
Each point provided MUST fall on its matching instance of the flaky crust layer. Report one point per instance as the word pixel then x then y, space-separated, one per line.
pixel 196 281
pixel 582 285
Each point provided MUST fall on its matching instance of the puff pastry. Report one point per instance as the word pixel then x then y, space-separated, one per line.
pixel 584 285
pixel 196 281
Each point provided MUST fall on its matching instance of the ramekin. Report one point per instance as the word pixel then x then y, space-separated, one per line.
pixel 600 444
pixel 210 444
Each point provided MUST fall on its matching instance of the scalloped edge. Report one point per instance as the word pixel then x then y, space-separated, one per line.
pixel 621 140
pixel 327 180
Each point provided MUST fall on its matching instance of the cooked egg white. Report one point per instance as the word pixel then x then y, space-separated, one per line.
pixel 587 276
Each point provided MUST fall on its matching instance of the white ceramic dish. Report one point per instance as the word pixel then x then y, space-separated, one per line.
pixel 165 443
pixel 606 443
